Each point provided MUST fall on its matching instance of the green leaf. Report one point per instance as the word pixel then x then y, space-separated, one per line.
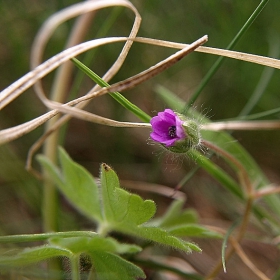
pixel 79 245
pixel 119 210
pixel 76 184
pixel 193 230
pixel 175 215
pixel 33 255
pixel 161 236
pixel 109 266
pixel 121 207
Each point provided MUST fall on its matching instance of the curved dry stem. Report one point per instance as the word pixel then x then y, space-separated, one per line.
pixel 45 68
pixel 58 93
pixel 130 82
pixel 120 86
pixel 126 84
pixel 257 59
pixel 154 188
pixel 247 261
pixel 60 86
pixel 268 190
pixel 239 251
pixel 73 11
pixel 28 80
pixel 15 89
pixel 31 78
pixel 242 229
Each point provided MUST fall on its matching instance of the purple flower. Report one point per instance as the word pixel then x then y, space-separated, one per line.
pixel 167 128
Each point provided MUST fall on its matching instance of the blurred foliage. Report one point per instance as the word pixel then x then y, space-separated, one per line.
pixel 126 149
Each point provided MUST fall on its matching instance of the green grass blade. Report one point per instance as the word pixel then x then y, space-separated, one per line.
pixel 225 241
pixel 116 95
pixel 217 173
pixel 220 60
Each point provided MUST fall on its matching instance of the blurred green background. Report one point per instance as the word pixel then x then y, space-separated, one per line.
pixel 126 150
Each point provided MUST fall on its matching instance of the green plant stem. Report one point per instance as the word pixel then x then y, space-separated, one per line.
pixel 44 236
pixel 225 242
pixel 75 267
pixel 50 195
pixel 219 61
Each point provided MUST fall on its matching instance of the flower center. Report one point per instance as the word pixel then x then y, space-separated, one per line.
pixel 172 131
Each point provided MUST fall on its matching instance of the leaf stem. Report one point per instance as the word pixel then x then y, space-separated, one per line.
pixel 75 267
pixel 44 236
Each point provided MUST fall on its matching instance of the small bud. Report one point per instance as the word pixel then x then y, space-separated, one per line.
pixel 175 132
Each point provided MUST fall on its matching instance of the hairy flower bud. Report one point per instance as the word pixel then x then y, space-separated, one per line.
pixel 175 132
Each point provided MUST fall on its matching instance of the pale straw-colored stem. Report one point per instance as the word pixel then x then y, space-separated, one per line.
pixel 257 59
pixel 241 125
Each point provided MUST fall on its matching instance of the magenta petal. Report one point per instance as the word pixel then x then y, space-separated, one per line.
pixel 167 128
pixel 161 127
pixel 163 140
pixel 165 117
pixel 170 112
pixel 179 129
pixel 157 137
pixel 169 143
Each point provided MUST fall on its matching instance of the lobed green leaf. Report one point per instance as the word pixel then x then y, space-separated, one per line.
pixel 160 236
pixel 110 266
pixel 193 230
pixel 113 208
pixel 175 215
pixel 76 184
pixel 79 245
pixel 120 206
pixel 33 255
